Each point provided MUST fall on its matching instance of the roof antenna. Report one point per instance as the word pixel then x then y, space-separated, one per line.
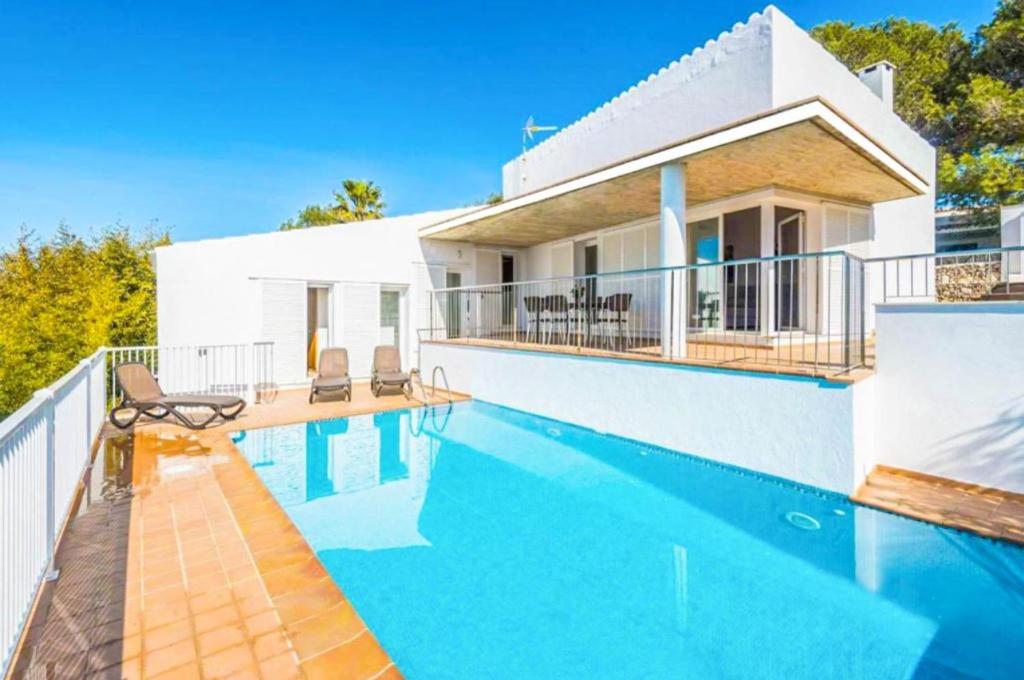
pixel 532 127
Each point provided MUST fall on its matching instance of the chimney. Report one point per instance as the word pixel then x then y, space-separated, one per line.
pixel 880 77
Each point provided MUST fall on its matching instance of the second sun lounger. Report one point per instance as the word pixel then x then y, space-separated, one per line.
pixel 387 371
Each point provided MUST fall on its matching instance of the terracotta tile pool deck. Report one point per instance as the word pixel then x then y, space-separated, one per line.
pixel 192 569
pixel 199 573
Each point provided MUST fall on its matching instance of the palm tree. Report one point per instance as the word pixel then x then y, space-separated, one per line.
pixel 361 200
pixel 365 198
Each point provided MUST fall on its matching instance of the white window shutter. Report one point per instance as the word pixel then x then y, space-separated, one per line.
pixel 610 249
pixel 633 254
pixel 653 246
pixel 847 228
pixel 561 259
pixel 860 232
pixel 837 227
pixel 357 319
pixel 283 322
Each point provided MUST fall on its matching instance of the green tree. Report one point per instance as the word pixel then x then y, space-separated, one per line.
pixel 61 299
pixel 1001 44
pixel 361 200
pixel 962 94
pixel 928 58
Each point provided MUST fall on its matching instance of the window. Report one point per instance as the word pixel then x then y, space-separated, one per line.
pixel 391 317
pixel 848 229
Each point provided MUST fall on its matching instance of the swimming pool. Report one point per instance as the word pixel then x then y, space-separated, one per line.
pixel 478 541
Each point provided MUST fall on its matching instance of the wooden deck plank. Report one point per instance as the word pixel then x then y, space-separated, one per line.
pixel 990 512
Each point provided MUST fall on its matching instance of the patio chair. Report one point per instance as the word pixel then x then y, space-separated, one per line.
pixel 534 307
pixel 387 371
pixel 141 393
pixel 332 374
pixel 616 319
pixel 557 307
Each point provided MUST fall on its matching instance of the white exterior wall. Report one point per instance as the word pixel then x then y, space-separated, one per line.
pixel 209 292
pixel 801 429
pixel 804 69
pixel 725 80
pixel 950 391
pixel 767 63
pixel 904 227
pixel 1011 233
pixel 1011 221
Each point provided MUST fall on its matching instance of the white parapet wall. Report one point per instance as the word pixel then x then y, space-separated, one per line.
pixel 726 79
pixel 810 431
pixel 950 391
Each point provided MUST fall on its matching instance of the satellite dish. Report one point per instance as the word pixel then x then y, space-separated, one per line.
pixel 531 127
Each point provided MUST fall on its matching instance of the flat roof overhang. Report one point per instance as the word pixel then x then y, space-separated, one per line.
pixel 806 147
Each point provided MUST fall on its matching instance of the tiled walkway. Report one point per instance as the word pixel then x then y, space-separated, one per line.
pixel 985 511
pixel 196 572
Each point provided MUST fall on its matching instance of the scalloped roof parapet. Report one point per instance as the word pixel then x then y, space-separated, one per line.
pixel 681 70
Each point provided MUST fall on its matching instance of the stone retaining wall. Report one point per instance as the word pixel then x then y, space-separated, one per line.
pixel 966 282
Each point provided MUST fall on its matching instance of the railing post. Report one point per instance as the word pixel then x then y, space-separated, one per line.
pixel 863 312
pixel 49 416
pixel 249 366
pixel 102 359
pixel 86 365
pixel 847 326
pixel 515 316
pixel 108 373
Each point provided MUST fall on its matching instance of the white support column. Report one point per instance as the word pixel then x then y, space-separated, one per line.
pixel 768 269
pixel 673 254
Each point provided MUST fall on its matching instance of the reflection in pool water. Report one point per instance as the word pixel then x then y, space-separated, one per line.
pixel 478 541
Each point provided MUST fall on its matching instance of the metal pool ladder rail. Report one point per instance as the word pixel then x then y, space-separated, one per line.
pixel 433 384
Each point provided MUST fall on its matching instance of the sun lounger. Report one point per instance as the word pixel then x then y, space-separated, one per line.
pixel 387 371
pixel 332 374
pixel 142 395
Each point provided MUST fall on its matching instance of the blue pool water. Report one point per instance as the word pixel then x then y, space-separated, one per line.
pixel 481 542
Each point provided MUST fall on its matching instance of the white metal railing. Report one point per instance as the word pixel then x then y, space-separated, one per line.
pixel 45 447
pixel 244 369
pixel 961 276
pixel 795 310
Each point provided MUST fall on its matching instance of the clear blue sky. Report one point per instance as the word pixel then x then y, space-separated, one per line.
pixel 220 118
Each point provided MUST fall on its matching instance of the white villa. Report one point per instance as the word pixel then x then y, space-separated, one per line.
pixel 734 258
pixel 759 136
pixel 716 260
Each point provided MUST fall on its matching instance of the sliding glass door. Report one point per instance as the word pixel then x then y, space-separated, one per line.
pixel 741 240
pixel 790 273
pixel 705 308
